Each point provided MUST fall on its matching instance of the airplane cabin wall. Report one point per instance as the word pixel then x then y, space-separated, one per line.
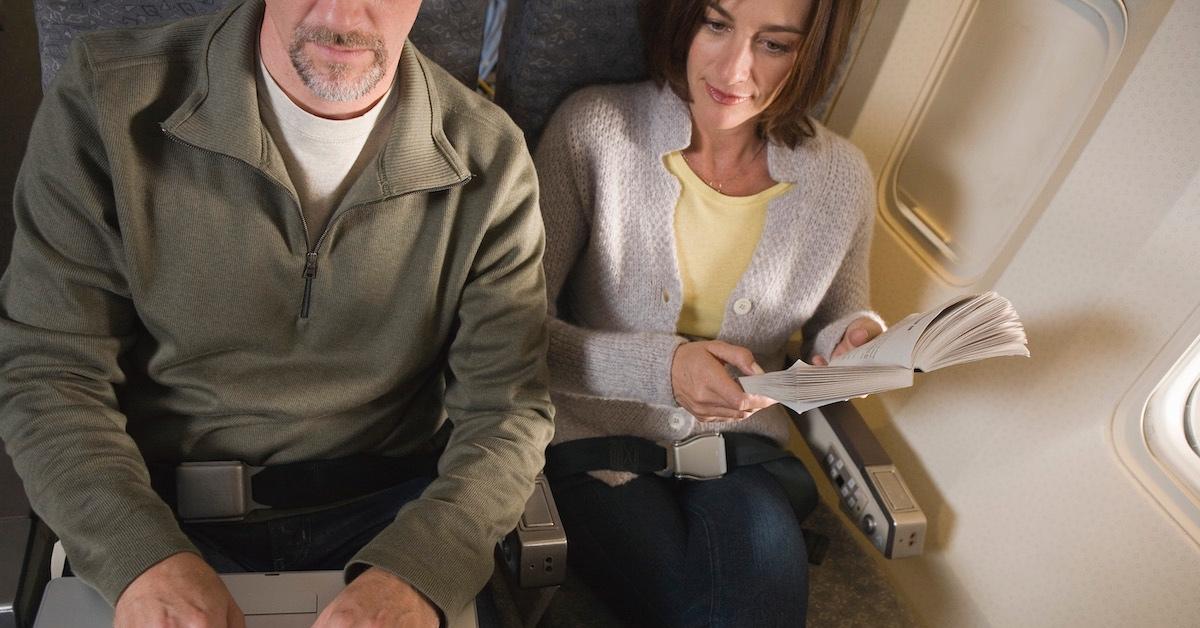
pixel 1034 518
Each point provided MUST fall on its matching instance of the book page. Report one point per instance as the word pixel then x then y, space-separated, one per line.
pixel 984 326
pixel 895 346
pixel 819 385
pixel 963 329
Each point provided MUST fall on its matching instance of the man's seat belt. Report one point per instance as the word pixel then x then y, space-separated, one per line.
pixel 229 490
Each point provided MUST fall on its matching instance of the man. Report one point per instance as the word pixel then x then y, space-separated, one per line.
pixel 277 235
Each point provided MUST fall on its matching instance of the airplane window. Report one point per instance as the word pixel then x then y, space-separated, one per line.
pixel 1192 418
pixel 1171 421
pixel 1157 429
pixel 1002 105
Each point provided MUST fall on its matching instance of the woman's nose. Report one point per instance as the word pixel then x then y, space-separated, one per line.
pixel 735 62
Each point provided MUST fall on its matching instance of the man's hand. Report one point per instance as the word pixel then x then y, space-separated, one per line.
pixel 858 333
pixel 181 591
pixel 703 387
pixel 378 599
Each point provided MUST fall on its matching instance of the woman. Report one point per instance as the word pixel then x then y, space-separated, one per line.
pixel 696 223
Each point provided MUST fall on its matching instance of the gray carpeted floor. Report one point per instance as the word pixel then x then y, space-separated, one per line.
pixel 849 589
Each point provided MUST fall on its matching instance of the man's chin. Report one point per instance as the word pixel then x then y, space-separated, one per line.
pixel 341 90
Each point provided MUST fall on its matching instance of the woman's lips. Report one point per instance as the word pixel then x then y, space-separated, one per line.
pixel 724 98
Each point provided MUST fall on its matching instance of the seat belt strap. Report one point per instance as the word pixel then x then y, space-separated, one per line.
pixel 639 455
pixel 605 453
pixel 228 490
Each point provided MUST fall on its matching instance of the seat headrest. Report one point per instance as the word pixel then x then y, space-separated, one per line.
pixel 448 31
pixel 553 47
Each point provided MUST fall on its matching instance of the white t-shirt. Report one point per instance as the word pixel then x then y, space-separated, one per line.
pixel 323 157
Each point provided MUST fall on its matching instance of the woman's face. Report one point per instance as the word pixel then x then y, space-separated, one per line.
pixel 740 57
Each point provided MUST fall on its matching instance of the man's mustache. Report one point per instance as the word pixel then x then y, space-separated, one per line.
pixel 328 37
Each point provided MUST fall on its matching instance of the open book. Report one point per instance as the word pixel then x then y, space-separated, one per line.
pixel 964 329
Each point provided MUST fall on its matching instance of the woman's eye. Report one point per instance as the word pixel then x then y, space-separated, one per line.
pixel 716 26
pixel 775 47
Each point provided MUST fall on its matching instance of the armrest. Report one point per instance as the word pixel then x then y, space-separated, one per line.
pixel 535 552
pixel 534 559
pixel 25 546
pixel 872 492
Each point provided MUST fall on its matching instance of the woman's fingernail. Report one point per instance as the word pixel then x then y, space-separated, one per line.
pixel 756 369
pixel 858 336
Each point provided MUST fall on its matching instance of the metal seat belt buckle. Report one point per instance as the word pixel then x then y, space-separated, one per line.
pixel 699 457
pixel 214 491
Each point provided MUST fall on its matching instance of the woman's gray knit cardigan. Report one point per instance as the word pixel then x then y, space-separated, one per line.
pixel 613 281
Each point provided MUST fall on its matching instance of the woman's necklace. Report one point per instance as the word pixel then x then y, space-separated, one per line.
pixel 739 172
pixel 716 185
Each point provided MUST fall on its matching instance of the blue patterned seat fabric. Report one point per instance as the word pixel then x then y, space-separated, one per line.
pixel 553 47
pixel 448 31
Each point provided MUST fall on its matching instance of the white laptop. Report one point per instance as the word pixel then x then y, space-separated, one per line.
pixel 291 599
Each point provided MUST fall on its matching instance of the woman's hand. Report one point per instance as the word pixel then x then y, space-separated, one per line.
pixel 857 334
pixel 703 387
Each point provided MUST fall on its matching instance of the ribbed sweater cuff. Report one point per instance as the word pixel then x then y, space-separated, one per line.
pixel 129 550
pixel 653 355
pixel 448 574
pixel 619 365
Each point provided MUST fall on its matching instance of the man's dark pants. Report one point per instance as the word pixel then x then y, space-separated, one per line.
pixel 322 540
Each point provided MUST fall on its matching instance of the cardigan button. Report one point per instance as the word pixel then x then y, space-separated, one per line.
pixel 676 422
pixel 742 307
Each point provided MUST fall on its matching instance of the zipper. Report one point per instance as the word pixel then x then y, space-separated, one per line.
pixel 310 256
pixel 310 259
pixel 310 271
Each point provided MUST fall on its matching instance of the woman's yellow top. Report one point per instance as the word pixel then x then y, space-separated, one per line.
pixel 715 237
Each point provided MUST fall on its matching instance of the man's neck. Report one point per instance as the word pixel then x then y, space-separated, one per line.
pixel 274 50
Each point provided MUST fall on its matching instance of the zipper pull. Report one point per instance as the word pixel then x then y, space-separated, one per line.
pixel 310 265
pixel 310 271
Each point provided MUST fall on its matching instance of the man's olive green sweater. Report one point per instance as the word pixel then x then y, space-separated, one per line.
pixel 165 302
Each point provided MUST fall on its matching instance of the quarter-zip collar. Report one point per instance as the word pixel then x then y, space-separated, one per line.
pixel 221 115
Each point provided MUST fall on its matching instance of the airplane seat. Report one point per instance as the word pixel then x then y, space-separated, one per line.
pixel 24 551
pixel 551 48
pixel 448 31
pixel 451 32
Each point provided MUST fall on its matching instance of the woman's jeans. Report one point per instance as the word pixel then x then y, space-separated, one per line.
pixel 663 552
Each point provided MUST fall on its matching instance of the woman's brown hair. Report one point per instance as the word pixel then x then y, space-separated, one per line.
pixel 668 27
